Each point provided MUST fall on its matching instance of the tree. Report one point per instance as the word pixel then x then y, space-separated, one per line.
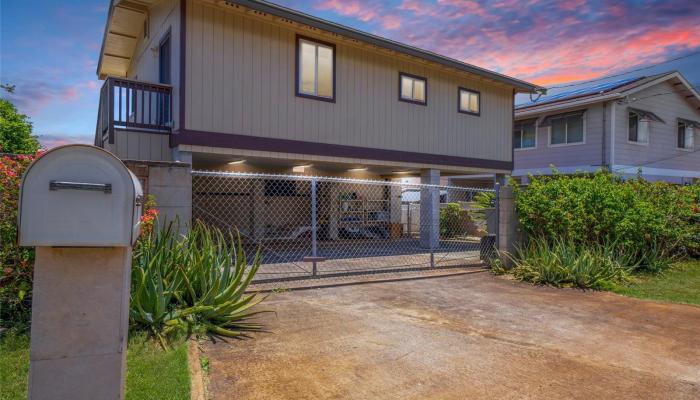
pixel 15 131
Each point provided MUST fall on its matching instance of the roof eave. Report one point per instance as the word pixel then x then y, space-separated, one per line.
pixel 550 107
pixel 283 12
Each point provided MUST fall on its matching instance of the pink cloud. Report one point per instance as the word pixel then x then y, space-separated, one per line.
pixel 351 8
pixel 391 22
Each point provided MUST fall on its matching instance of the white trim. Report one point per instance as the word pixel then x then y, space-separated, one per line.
pixel 631 169
pixel 561 170
pixel 567 104
pixel 582 142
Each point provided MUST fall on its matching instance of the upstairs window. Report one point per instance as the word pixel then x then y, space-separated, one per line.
pixel 525 134
pixel 637 129
pixel 413 89
pixel 566 129
pixel 469 101
pixel 686 135
pixel 315 69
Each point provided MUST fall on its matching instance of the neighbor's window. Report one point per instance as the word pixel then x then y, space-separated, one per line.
pixel 413 89
pixel 524 134
pixel 637 128
pixel 566 130
pixel 469 101
pixel 315 69
pixel 686 136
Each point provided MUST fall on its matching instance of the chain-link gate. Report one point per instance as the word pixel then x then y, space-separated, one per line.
pixel 309 227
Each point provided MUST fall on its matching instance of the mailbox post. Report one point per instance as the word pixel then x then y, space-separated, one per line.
pixel 80 207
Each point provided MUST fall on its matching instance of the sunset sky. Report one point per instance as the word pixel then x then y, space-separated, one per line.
pixel 49 49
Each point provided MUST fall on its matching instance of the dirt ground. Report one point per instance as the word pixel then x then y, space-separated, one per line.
pixel 471 336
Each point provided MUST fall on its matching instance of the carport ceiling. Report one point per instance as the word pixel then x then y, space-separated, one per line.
pixel 125 24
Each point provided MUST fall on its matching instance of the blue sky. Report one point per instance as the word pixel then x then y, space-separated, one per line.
pixel 49 49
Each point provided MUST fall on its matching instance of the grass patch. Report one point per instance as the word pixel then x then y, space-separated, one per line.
pixel 14 364
pixel 678 284
pixel 152 373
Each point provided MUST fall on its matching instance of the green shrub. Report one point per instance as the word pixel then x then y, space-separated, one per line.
pixel 192 284
pixel 17 262
pixel 567 264
pixel 483 201
pixel 650 221
pixel 450 220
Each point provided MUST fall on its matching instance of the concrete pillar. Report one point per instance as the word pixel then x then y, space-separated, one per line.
pixel 334 215
pixel 508 229
pixel 395 203
pixel 171 186
pixel 430 209
pixel 79 343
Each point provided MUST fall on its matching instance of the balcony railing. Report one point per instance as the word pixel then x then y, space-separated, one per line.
pixel 131 105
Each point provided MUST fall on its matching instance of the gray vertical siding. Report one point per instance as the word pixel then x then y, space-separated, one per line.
pixel 588 154
pixel 661 152
pixel 240 77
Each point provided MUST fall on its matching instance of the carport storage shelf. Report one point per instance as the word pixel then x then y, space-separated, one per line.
pixel 312 227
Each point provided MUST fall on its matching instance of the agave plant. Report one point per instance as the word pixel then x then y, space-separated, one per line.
pixel 192 283
pixel 214 275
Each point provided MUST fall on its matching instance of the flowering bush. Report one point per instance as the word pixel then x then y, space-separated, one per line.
pixel 650 221
pixel 148 216
pixel 17 262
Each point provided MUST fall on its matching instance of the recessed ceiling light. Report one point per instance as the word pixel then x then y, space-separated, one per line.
pixel 300 168
pixel 236 162
pixel 403 172
pixel 357 169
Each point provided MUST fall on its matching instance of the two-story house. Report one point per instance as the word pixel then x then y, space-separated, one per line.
pixel 247 85
pixel 648 124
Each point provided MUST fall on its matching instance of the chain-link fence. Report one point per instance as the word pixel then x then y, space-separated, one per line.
pixel 310 227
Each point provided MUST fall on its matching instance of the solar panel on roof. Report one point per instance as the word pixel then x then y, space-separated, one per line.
pixel 584 91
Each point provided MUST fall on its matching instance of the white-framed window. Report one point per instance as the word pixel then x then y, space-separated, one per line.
pixel 525 135
pixel 413 89
pixel 637 128
pixel 686 136
pixel 566 130
pixel 469 101
pixel 315 69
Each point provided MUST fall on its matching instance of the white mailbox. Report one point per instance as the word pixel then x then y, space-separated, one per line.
pixel 79 196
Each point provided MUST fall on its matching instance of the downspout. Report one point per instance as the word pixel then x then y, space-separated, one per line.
pixel 602 155
pixel 612 135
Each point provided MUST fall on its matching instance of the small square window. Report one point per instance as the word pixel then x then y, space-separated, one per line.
pixel 413 89
pixel 469 101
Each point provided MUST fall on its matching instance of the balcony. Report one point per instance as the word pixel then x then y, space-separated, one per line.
pixel 133 106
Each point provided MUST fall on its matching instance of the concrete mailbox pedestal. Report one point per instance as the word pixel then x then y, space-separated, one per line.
pixel 80 207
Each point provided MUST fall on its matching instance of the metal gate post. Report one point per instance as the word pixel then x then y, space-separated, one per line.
pixel 497 189
pixel 313 225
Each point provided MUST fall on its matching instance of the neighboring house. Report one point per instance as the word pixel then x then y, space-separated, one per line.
pixel 247 85
pixel 648 124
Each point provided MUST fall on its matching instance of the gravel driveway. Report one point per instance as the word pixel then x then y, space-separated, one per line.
pixel 472 336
